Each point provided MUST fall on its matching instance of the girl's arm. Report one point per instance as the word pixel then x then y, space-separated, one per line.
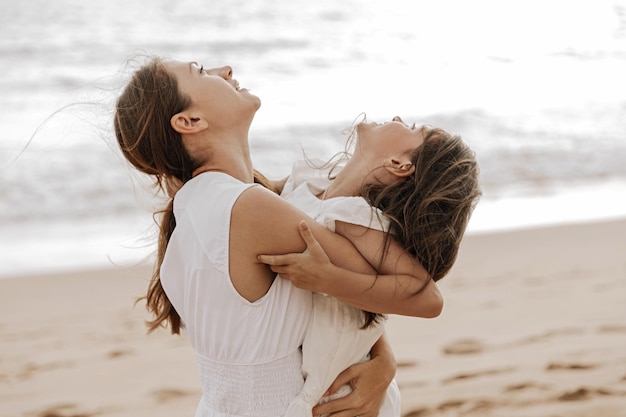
pixel 403 286
pixel 402 278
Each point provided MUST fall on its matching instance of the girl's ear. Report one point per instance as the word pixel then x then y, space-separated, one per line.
pixel 186 124
pixel 400 168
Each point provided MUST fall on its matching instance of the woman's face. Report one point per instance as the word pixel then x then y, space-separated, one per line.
pixel 214 92
pixel 388 140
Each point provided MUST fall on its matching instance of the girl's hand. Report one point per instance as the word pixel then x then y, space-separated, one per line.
pixel 306 270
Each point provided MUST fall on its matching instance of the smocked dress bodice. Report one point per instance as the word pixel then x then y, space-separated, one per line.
pixel 248 352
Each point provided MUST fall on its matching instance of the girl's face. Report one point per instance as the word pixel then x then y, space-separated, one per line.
pixel 388 140
pixel 214 93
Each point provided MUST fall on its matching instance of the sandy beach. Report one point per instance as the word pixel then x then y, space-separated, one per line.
pixel 534 325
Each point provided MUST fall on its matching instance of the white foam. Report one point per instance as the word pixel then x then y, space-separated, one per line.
pixel 572 205
pixel 37 247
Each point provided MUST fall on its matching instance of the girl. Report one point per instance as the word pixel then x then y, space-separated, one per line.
pixel 418 186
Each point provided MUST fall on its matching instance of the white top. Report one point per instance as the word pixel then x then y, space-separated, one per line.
pixel 304 185
pixel 334 338
pixel 248 352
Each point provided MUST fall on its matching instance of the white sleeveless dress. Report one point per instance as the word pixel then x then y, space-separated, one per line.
pixel 249 354
pixel 334 339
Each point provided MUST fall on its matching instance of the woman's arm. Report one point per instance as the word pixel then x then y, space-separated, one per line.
pixel 403 286
pixel 264 223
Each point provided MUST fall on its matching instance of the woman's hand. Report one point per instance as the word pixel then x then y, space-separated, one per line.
pixel 369 381
pixel 307 270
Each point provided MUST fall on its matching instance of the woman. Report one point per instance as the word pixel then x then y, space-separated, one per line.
pixel 424 183
pixel 176 120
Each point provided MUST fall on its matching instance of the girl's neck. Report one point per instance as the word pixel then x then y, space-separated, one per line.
pixel 347 183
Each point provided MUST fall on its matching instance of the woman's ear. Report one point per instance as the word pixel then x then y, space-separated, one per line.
pixel 401 168
pixel 186 124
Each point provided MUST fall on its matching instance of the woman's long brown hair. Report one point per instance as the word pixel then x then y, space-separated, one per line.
pixel 148 141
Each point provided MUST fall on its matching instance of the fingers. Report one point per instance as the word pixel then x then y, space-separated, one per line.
pixel 342 379
pixel 306 234
pixel 336 407
pixel 341 407
pixel 275 259
pixel 290 258
pixel 312 244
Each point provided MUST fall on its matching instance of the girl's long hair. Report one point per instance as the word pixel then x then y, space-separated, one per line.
pixel 429 211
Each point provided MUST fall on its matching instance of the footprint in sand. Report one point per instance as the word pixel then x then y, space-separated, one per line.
pixel 583 393
pixel 526 386
pixel 441 408
pixel 612 328
pixel 461 407
pixel 170 394
pixel 407 363
pixel 30 368
pixel 458 407
pixel 52 413
pixel 421 412
pixel 464 347
pixel 114 354
pixel 569 367
pixel 65 410
pixel 472 375
pixel 551 334
pixel 451 404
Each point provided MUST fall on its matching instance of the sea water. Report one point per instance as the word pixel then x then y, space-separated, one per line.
pixel 535 87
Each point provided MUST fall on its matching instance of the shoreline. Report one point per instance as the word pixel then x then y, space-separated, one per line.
pixel 533 324
pixel 110 242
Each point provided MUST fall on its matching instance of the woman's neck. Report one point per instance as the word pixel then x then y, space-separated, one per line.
pixel 232 158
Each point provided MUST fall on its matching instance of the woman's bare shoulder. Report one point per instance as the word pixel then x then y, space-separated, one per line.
pixel 269 223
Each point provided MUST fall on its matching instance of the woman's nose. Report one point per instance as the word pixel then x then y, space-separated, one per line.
pixel 226 72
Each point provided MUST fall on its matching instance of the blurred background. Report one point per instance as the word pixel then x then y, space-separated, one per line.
pixel 535 87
